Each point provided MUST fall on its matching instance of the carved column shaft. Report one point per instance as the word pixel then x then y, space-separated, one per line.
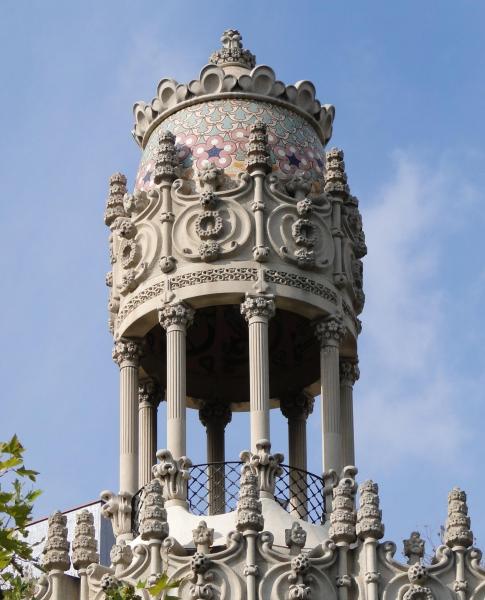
pixel 149 396
pixel 349 373
pixel 257 311
pixel 127 354
pixel 175 319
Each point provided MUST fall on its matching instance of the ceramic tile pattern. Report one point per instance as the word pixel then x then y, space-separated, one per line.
pixel 218 130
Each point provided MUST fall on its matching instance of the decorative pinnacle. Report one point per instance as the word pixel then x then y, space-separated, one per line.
pixel 232 51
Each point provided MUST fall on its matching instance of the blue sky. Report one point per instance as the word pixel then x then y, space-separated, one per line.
pixel 408 83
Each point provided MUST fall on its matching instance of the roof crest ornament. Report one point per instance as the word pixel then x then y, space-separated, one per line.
pixel 232 51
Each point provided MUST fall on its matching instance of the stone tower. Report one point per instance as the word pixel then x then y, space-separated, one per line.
pixel 236 285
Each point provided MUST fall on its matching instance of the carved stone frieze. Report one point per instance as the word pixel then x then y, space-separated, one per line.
pixel 173 475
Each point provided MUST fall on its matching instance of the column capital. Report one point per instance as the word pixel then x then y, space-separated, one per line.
pixel 258 306
pixel 295 406
pixel 331 330
pixel 349 371
pixel 215 411
pixel 127 352
pixel 149 392
pixel 179 313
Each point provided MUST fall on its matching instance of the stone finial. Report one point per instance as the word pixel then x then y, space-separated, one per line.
pixel 249 515
pixel 331 330
pixel 178 313
pixel 457 530
pixel 354 220
pixel 349 371
pixel 265 465
pixel 153 516
pixel 121 555
pixel 127 352
pixel 166 160
pixel 84 544
pixel 149 392
pixel 335 176
pixel 214 411
pixel 295 538
pixel 297 406
pixel 369 516
pixel 257 306
pixel 232 51
pixel 203 537
pixel 114 204
pixel 343 517
pixel 414 548
pixel 117 508
pixel 55 556
pixel 173 474
pixel 258 158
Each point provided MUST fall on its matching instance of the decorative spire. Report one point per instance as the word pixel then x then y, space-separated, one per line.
pixel 166 158
pixel 56 550
pixel 457 532
pixel 369 516
pixel 114 204
pixel 84 543
pixel 249 512
pixel 343 517
pixel 153 516
pixel 258 151
pixel 335 176
pixel 232 51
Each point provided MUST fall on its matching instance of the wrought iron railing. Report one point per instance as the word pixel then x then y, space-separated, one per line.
pixel 213 488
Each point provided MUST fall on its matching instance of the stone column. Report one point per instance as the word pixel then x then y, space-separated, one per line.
pixel 257 311
pixel 330 332
pixel 349 373
pixel 296 408
pixel 149 396
pixel 215 416
pixel 126 353
pixel 175 318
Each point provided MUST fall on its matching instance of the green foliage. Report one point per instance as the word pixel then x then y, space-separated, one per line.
pixel 121 592
pixel 162 585
pixel 16 503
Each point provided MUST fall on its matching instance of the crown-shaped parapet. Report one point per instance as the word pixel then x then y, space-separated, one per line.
pixel 232 51
pixel 457 532
pixel 249 514
pixel 369 516
pixel 153 516
pixel 335 176
pixel 55 556
pixel 114 204
pixel 173 475
pixel 84 544
pixel 166 158
pixel 258 152
pixel 343 517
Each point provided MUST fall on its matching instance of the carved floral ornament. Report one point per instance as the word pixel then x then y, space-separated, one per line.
pixel 261 307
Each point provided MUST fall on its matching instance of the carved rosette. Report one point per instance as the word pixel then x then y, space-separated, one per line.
pixel 153 516
pixel 173 475
pixel 260 307
pixel 249 516
pixel 457 531
pixel 166 158
pixel 84 544
pixel 330 331
pixel 177 314
pixel 200 588
pixel 369 516
pixel 414 548
pixel 149 393
pixel 121 555
pixel 349 371
pixel 127 352
pixel 265 465
pixel 232 51
pixel 117 508
pixel 55 555
pixel 258 158
pixel 299 578
pixel 418 575
pixel 215 412
pixel 297 406
pixel 114 205
pixel 343 518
